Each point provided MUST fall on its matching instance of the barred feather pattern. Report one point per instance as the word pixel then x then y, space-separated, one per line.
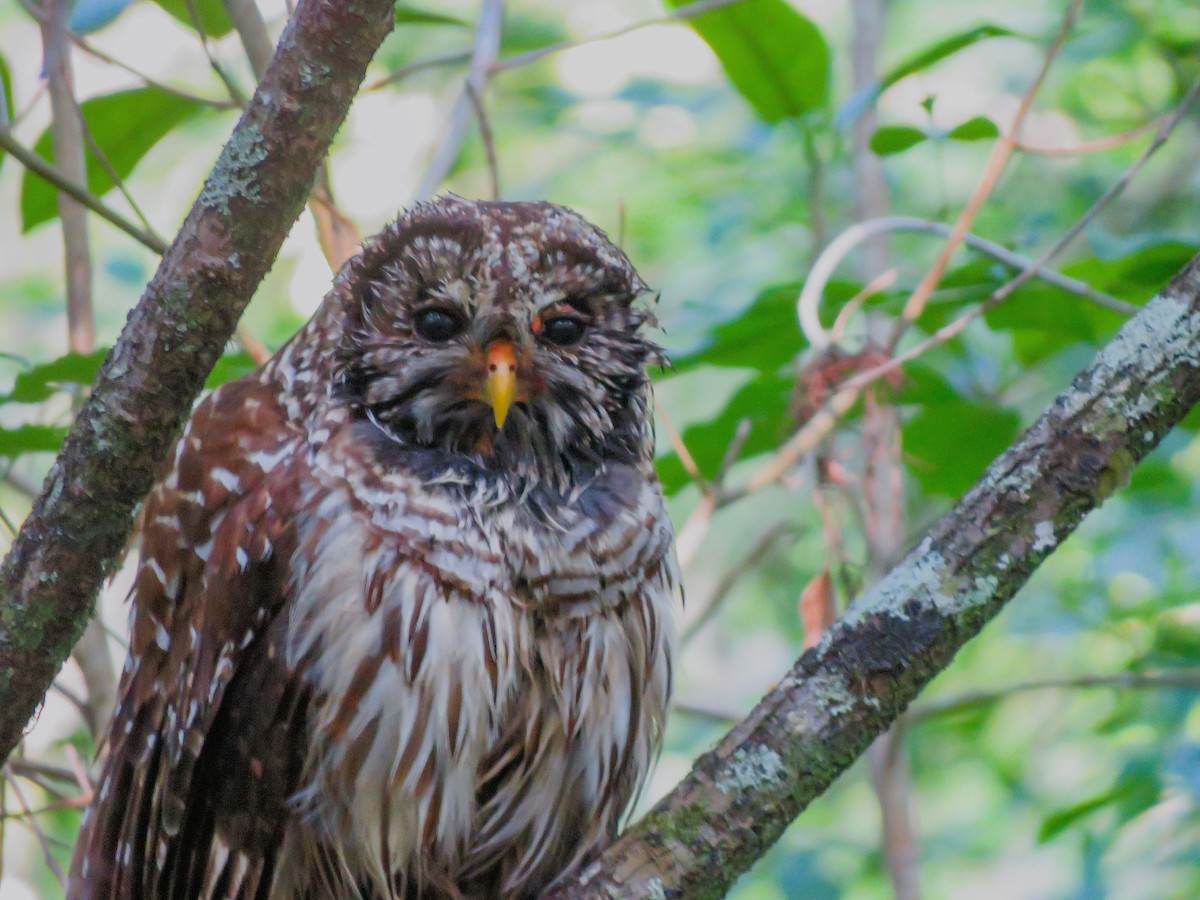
pixel 378 649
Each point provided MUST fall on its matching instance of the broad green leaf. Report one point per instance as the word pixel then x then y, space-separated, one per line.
pixel 30 439
pixel 40 382
pixel 764 402
pixel 776 58
pixel 1057 822
pixel 764 336
pixel 941 49
pixel 979 128
pixel 230 367
pixel 895 139
pixel 125 125
pixel 950 444
pixel 211 14
pixel 410 15
pixel 1177 632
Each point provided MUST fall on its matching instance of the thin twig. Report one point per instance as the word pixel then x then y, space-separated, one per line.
pixel 248 21
pixel 681 450
pixel 691 11
pixel 235 93
pixel 456 58
pixel 809 302
pixel 47 853
pixel 1001 152
pixel 485 134
pixel 702 614
pixel 101 157
pixel 1097 146
pixel 92 50
pixel 487 46
pixel 44 170
pixel 880 283
pixel 952 329
pixel 1181 679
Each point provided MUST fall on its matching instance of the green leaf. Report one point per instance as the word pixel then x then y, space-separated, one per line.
pixel 941 49
pixel 1057 822
pixel 40 382
pixel 764 336
pixel 776 58
pixel 230 367
pixel 30 439
pixel 764 402
pixel 979 128
pixel 895 139
pixel 950 444
pixel 410 15
pixel 211 14
pixel 125 125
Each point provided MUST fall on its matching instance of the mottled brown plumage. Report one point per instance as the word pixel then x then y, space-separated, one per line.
pixel 382 647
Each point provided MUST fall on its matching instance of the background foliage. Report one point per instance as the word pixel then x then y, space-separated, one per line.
pixel 719 152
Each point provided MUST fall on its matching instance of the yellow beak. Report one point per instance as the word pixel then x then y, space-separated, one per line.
pixel 501 385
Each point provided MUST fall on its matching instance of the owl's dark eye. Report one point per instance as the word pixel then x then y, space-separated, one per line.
pixel 439 324
pixel 563 330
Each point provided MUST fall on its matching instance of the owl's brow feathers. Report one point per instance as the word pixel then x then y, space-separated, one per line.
pixel 500 266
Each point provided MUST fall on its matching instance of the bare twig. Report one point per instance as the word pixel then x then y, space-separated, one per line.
pixel 235 93
pixel 691 11
pixel 47 853
pixel 952 329
pixel 1179 679
pixel 701 614
pixel 991 175
pixel 49 173
pixel 98 152
pixel 809 302
pixel 248 22
pixel 445 59
pixel 1097 146
pixel 485 134
pixel 881 282
pixel 487 46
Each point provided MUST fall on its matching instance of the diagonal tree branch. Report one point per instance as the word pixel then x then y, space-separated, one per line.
pixel 74 535
pixel 841 694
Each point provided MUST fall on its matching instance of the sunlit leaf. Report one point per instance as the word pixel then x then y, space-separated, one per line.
pixel 776 58
pixel 764 336
pixel 410 15
pixel 950 444
pixel 763 402
pixel 210 13
pixel 895 139
pixel 40 382
pixel 230 367
pixel 979 128
pixel 30 439
pixel 940 49
pixel 126 126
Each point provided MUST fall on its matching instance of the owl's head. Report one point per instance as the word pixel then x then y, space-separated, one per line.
pixel 509 334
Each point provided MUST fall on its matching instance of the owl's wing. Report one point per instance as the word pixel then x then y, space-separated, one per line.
pixel 205 744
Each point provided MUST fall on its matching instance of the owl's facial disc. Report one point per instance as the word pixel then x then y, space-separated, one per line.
pixel 507 334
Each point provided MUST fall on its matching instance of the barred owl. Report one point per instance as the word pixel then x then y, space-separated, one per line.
pixel 403 620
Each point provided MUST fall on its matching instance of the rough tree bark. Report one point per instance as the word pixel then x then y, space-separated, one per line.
pixel 824 713
pixel 73 538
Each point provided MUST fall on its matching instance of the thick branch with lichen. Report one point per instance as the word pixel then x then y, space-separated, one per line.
pixel 841 694
pixel 75 534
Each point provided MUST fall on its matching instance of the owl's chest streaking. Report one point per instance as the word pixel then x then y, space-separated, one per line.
pixel 490 672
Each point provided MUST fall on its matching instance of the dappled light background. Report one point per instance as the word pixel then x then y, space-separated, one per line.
pixel 1060 755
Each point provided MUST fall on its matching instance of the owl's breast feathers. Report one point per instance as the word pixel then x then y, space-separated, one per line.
pixel 345 678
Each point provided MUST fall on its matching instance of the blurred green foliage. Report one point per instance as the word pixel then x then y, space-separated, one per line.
pixel 720 154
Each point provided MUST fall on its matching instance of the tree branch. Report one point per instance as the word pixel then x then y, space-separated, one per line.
pixel 77 529
pixel 825 712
